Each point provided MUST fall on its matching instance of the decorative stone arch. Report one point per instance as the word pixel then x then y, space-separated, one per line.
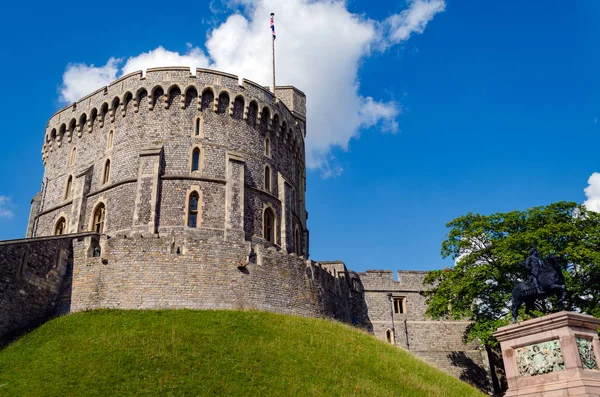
pixel 71 129
pixel 52 135
pixel 252 113
pixel 224 104
pixel 127 98
pixel 169 96
pixel 264 118
pixel 98 204
pixel 238 106
pixel 283 129
pixel 275 124
pixel 208 100
pixel 114 106
pixel 92 119
pixel 190 93
pixel 62 130
pixel 82 124
pixel 268 209
pixel 139 96
pixel 194 189
pixel 103 112
pixel 155 95
pixel 201 157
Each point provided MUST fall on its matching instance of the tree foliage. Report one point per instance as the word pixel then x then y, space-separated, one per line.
pixel 489 252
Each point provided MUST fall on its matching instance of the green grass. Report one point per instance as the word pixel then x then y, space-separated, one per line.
pixel 211 353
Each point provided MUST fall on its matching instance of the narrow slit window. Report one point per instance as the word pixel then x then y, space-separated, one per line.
pixel 267 178
pixel 109 144
pixel 61 227
pixel 106 172
pixel 196 160
pixel 269 225
pixel 73 156
pixel 267 147
pixel 69 187
pixel 197 130
pixel 99 217
pixel 193 210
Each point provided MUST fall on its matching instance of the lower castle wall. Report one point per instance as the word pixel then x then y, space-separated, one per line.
pixel 147 272
pixel 31 280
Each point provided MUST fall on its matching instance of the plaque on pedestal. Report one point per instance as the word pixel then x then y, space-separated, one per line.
pixel 551 356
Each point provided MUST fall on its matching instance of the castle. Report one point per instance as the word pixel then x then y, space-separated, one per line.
pixel 181 189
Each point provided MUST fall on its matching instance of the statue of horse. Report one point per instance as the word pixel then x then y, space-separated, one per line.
pixel 551 282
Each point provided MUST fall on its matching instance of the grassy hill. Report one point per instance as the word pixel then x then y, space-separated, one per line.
pixel 211 353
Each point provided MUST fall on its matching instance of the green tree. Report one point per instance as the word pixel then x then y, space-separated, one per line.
pixel 489 252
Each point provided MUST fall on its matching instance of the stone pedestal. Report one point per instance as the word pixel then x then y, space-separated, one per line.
pixel 551 356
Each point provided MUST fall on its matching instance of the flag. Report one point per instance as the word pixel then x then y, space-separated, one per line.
pixel 273 27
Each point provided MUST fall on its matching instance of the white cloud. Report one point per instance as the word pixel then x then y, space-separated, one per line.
pixel 193 58
pixel 592 192
pixel 320 46
pixel 399 27
pixel 6 207
pixel 80 79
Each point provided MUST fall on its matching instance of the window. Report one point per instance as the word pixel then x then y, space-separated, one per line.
pixel 297 242
pixel 268 178
pixel 399 305
pixel 106 172
pixel 197 131
pixel 73 156
pixel 269 225
pixel 267 147
pixel 69 187
pixel 61 227
pixel 193 210
pixel 389 336
pixel 196 160
pixel 99 217
pixel 109 143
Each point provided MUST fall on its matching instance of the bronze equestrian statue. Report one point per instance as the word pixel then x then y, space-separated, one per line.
pixel 545 280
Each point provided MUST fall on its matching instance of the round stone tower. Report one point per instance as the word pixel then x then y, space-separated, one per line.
pixel 171 152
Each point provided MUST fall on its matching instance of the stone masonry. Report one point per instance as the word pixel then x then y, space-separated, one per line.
pixel 181 189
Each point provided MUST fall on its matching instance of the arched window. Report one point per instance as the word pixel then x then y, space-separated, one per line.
pixel 61 227
pixel 69 187
pixel 389 336
pixel 297 242
pixel 99 217
pixel 73 156
pixel 109 140
pixel 196 160
pixel 193 210
pixel 267 147
pixel 268 178
pixel 106 172
pixel 269 225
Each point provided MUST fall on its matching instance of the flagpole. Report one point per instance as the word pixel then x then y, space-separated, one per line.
pixel 273 52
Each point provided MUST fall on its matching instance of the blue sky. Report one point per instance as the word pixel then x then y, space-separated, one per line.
pixel 487 106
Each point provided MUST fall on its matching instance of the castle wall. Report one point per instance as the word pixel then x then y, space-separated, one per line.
pixel 199 271
pixel 32 277
pixel 438 342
